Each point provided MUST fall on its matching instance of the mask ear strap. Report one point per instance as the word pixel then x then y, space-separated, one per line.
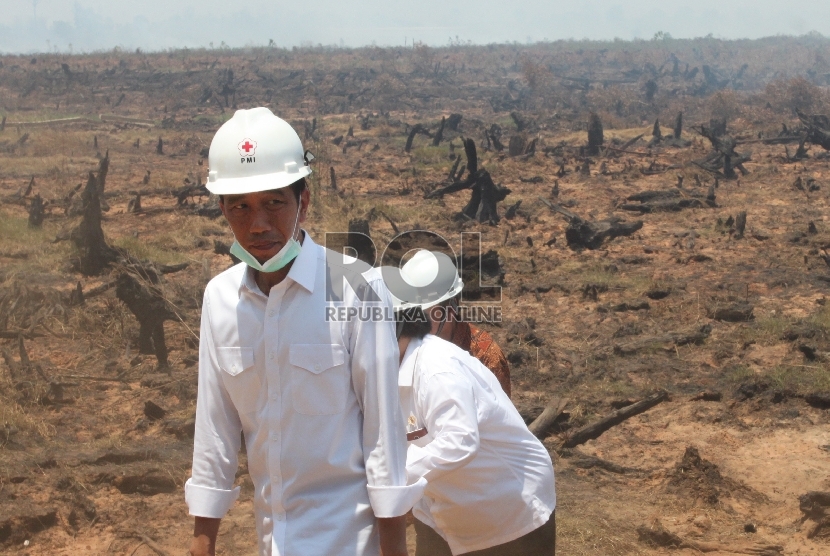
pixel 441 324
pixel 452 304
pixel 296 219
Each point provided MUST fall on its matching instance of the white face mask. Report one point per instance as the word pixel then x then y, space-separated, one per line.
pixel 285 255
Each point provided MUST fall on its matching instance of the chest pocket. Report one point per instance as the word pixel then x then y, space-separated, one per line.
pixel 239 376
pixel 320 378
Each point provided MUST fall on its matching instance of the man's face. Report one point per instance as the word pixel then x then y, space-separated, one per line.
pixel 262 222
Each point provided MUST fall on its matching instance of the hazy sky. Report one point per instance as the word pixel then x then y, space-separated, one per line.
pixel 157 24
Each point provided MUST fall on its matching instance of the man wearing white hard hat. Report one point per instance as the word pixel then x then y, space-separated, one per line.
pixel 443 314
pixel 490 483
pixel 317 401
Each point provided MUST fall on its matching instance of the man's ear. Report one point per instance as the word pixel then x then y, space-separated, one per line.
pixel 305 200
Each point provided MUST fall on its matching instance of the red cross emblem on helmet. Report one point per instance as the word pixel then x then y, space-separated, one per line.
pixel 247 147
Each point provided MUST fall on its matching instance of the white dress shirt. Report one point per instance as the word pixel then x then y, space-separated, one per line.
pixel 317 402
pixel 489 480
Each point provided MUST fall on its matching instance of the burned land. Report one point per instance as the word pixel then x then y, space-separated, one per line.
pixel 656 214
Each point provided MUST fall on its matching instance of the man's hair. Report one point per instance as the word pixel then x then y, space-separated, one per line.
pixel 297 187
pixel 415 322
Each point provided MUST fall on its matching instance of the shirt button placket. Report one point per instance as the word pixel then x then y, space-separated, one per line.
pixel 275 385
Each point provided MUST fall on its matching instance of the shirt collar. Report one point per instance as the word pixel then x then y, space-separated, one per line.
pixel 407 370
pixel 303 270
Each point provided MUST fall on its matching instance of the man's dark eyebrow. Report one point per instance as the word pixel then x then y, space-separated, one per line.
pixel 281 193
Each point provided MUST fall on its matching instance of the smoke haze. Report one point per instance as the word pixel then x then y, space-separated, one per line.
pixel 90 25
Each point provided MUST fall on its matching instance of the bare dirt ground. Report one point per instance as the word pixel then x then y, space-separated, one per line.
pixel 88 466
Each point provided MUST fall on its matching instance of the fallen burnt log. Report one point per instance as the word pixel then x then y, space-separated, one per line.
pixel 583 234
pixel 594 430
pixel 669 200
pixel 818 129
pixel 665 206
pixel 485 193
pixel 695 336
pixel 540 427
pixel 189 191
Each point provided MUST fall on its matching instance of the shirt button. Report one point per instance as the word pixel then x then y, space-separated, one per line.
pixel 273 396
pixel 280 517
pixel 272 313
pixel 271 356
pixel 317 366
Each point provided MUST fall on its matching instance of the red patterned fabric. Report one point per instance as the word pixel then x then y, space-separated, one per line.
pixel 482 346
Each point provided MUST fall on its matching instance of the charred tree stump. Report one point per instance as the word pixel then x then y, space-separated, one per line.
pixel 656 133
pixel 472 156
pixel 818 129
pixel 454 169
pixel 453 121
pixel 76 297
pixel 360 240
pixel 740 224
pixel 103 170
pixel 595 134
pixel 36 212
pixel 521 123
pixel 650 89
pixel 416 129
pixel 516 145
pixel 439 135
pixel 717 127
pixel 3 124
pixel 150 308
pixel 470 210
pixel 485 197
pixel 160 146
pixel 485 194
pixel 332 178
pixel 678 125
pixel 134 204
pixel 94 252
pixel 723 160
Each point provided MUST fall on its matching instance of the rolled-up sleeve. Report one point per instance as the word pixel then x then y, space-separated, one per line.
pixel 448 405
pixel 375 360
pixel 210 492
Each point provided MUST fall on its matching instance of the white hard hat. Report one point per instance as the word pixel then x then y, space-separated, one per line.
pixel 255 151
pixel 427 279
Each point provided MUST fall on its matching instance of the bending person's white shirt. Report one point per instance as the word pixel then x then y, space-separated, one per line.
pixel 489 480
pixel 318 403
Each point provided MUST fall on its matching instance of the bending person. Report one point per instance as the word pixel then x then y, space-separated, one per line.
pixel 490 483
